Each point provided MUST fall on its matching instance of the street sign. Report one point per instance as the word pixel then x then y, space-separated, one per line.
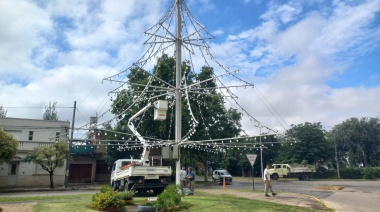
pixel 251 158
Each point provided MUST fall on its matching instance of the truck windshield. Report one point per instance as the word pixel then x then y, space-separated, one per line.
pixel 125 163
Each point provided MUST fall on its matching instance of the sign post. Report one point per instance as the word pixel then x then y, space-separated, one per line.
pixel 252 159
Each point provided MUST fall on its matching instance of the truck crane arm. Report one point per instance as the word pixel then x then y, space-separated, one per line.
pixel 145 153
pixel 161 106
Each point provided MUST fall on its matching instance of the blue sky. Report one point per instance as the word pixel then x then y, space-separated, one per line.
pixel 315 61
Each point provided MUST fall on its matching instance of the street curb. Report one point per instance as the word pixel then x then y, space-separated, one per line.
pixel 320 201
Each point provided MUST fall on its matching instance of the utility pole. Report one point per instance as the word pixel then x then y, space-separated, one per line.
pixel 70 140
pixel 178 96
pixel 261 156
pixel 336 158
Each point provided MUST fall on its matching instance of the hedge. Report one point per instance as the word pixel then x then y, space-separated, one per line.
pixel 350 173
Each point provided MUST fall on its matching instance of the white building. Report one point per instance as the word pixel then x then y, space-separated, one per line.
pixel 32 133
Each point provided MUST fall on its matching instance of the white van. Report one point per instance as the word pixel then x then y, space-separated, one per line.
pixel 218 175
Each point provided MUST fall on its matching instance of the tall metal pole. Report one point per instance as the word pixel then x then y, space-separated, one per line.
pixel 70 140
pixel 336 158
pixel 178 99
pixel 261 155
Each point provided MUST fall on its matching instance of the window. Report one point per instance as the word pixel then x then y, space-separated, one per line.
pixel 30 135
pixel 57 136
pixel 277 166
pixel 13 168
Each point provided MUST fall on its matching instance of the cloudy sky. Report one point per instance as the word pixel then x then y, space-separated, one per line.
pixel 310 61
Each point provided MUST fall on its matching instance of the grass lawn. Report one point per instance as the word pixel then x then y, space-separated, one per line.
pixel 208 203
pixel 201 202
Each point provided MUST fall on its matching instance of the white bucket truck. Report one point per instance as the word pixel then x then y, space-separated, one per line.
pixel 147 173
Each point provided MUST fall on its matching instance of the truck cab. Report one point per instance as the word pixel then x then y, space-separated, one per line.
pixel 117 165
pixel 279 170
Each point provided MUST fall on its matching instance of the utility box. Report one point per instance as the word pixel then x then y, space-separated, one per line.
pixel 160 108
pixel 165 152
pixel 175 152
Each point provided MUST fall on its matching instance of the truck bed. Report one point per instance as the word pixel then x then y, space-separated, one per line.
pixel 150 172
pixel 300 170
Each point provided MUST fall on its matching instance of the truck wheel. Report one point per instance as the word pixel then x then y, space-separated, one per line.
pixel 275 176
pixel 115 186
pixel 305 177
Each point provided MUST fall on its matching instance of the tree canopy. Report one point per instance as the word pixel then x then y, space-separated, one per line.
pixel 213 119
pixel 3 112
pixel 358 141
pixel 49 157
pixel 50 112
pixel 310 146
pixel 8 146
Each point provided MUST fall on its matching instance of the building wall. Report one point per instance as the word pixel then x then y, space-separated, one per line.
pixel 18 173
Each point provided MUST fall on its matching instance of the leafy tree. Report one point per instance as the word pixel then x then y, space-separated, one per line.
pixel 358 141
pixel 49 157
pixel 3 112
pixel 8 146
pixel 215 121
pixel 50 112
pixel 125 106
pixel 311 145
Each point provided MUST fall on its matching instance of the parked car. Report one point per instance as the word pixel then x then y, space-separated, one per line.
pixel 218 175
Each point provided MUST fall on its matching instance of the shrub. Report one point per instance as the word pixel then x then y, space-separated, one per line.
pixel 170 197
pixel 126 195
pixel 106 199
pixel 146 202
pixel 371 172
pixel 350 173
pixel 105 188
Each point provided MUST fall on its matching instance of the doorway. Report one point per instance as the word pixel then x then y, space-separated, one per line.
pixel 12 174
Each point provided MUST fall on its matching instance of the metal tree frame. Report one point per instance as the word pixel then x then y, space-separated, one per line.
pixel 160 39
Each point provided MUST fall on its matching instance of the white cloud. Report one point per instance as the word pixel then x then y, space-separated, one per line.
pixel 284 13
pixel 347 28
pixel 298 89
pixel 20 33
pixel 63 50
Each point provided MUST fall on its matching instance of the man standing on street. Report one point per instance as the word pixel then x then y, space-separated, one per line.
pixel 267 181
pixel 182 177
pixel 191 178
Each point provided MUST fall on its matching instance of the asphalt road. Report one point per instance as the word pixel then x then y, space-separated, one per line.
pixel 356 195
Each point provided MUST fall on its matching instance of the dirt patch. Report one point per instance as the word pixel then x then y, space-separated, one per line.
pixel 333 188
pixel 17 207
